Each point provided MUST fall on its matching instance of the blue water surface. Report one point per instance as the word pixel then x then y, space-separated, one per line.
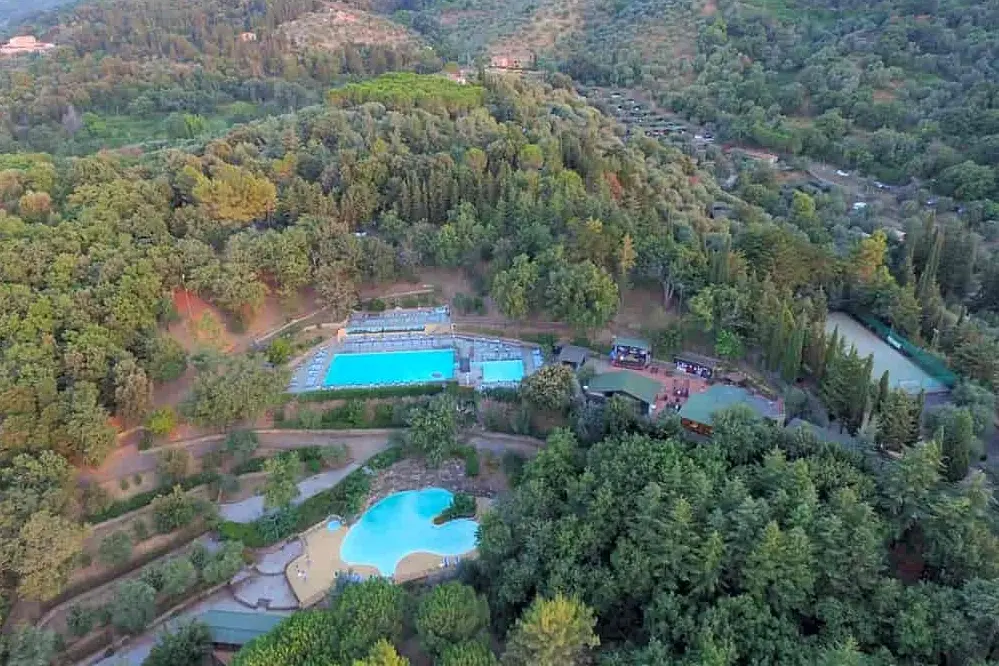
pixel 402 524
pixel 398 367
pixel 502 371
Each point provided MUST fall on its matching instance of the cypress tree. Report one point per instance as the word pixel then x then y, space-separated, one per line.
pixel 929 275
pixel 791 363
pixel 883 388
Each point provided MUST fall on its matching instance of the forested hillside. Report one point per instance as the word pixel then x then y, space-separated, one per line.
pixel 640 549
pixel 900 90
pixel 153 73
pixel 438 173
pixel 195 145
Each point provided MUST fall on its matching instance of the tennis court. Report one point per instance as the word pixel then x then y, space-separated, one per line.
pixel 902 372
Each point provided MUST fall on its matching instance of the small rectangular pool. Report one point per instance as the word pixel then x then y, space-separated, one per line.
pixel 388 368
pixel 497 372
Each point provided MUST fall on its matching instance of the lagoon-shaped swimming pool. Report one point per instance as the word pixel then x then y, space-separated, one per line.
pixel 403 524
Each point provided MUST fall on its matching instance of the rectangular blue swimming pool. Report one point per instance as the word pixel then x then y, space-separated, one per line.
pixel 496 372
pixel 387 368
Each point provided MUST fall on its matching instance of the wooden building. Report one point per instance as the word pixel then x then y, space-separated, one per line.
pixel 631 352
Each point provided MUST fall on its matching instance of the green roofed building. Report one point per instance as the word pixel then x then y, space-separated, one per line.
pixel 233 629
pixel 697 414
pixel 630 384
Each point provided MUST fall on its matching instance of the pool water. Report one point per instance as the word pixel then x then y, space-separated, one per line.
pixel 494 372
pixel 383 368
pixel 402 524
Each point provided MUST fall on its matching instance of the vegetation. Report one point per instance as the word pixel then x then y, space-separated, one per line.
pixel 449 614
pixel 283 472
pixel 462 506
pixel 433 430
pixel 115 549
pixel 550 388
pixel 189 645
pixel 134 606
pixel 234 389
pixel 552 631
pixel 553 214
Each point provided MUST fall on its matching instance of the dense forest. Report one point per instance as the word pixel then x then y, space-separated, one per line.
pixel 900 90
pixel 530 191
pixel 149 73
pixel 764 547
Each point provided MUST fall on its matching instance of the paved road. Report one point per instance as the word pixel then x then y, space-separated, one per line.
pixel 136 651
pixel 362 448
pixel 248 510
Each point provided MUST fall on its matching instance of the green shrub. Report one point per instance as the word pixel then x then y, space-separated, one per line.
pixel 462 506
pixel 161 422
pixel 386 458
pixel 375 305
pixel 123 484
pixel 382 415
pixel 133 607
pixel 502 394
pixel 137 480
pixel 179 575
pixel 406 391
pixel 153 576
pixel 146 440
pixel 249 466
pixel 224 564
pixel 95 499
pixel 115 549
pixel 513 467
pixel 335 455
pixel 173 511
pixel 140 500
pixel 471 456
pixel 140 529
pixel 199 555
pixel 81 620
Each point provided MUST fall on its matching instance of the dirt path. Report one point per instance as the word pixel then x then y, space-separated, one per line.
pixel 363 444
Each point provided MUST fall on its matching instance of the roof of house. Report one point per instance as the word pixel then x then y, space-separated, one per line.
pixel 572 354
pixel 630 383
pixel 632 342
pixel 701 407
pixel 699 359
pixel 236 628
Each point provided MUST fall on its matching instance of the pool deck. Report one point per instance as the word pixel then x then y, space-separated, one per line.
pixel 313 573
pixel 471 355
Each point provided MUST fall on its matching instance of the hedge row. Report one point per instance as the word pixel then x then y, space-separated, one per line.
pixel 121 507
pixel 311 457
pixel 344 499
pixel 405 391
